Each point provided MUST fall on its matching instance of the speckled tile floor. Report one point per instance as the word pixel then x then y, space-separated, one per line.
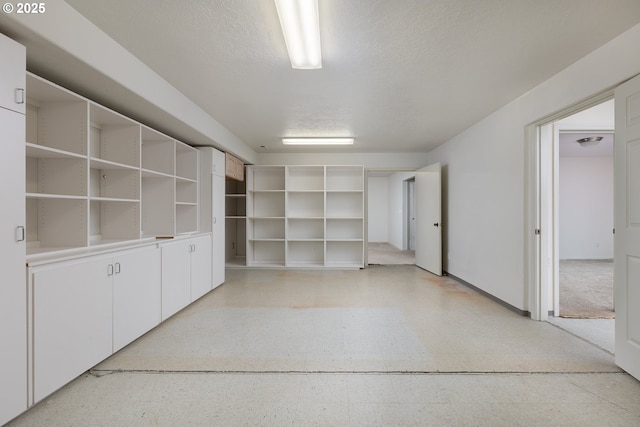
pixel 388 345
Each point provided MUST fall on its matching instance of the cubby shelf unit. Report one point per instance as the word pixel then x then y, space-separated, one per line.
pixel 305 216
pixel 235 223
pixel 96 177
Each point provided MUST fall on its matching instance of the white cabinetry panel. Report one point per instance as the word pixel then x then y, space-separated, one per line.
pixel 12 75
pixel 136 294
pixel 13 299
pixel 72 322
pixel 186 273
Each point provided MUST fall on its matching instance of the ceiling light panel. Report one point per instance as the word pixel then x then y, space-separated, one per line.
pixel 301 30
pixel 317 141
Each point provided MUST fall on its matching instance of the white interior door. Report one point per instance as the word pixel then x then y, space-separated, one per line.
pixel 428 219
pixel 627 226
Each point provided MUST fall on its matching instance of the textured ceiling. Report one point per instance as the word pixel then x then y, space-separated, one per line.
pixel 398 75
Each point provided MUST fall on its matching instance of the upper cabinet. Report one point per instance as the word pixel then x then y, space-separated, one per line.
pixel 234 168
pixel 96 177
pixel 12 70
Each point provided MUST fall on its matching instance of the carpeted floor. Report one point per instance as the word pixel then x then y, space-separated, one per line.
pixel 586 289
pixel 387 254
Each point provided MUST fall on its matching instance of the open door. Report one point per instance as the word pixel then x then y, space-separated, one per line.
pixel 428 219
pixel 627 226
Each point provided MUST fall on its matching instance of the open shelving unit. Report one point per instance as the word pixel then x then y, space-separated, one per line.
pixel 95 177
pixel 305 216
pixel 235 223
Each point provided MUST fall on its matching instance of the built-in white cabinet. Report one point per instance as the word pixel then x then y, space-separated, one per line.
pixel 305 216
pixel 12 75
pixel 95 177
pixel 13 298
pixel 136 294
pixel 85 309
pixel 186 273
pixel 72 321
pixel 212 207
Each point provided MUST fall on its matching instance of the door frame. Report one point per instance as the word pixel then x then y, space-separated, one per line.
pixel 409 202
pixel 541 206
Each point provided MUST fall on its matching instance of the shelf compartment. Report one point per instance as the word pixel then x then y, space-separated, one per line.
pixel 60 125
pixel 236 241
pixel 113 137
pixel 235 205
pixel 186 191
pixel 186 161
pixel 113 221
pixel 345 229
pixel 305 228
pixel 267 178
pixel 266 228
pixel 345 254
pixel 345 205
pixel 56 223
pixel 270 204
pixel 345 178
pixel 42 152
pixel 186 218
pixel 60 176
pixel 158 213
pixel 158 152
pixel 305 254
pixel 305 204
pixel 266 253
pixel 234 187
pixel 115 183
pixel 305 178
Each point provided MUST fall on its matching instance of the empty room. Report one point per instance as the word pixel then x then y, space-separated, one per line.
pixel 317 212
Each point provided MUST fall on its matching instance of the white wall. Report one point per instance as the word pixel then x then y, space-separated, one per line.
pixel 382 161
pixel 378 202
pixel 484 171
pixel 586 207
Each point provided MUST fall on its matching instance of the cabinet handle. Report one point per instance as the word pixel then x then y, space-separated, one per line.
pixel 19 96
pixel 20 235
pixel 117 268
pixel 110 270
pixel 194 248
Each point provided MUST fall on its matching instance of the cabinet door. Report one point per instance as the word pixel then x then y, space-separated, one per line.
pixel 12 75
pixel 136 295
pixel 72 318
pixel 13 297
pixel 218 255
pixel 176 277
pixel 200 267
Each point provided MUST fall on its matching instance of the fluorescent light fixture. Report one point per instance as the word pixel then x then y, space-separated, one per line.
pixel 317 141
pixel 301 29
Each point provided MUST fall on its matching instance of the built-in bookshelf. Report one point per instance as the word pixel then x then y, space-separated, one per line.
pixel 305 216
pixel 96 177
pixel 235 223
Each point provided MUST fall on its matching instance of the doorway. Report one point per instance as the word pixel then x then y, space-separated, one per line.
pixel 388 205
pixel 577 185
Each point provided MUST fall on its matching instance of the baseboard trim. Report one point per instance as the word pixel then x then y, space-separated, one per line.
pixel 524 313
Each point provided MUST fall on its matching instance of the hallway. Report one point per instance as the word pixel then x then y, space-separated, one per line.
pixel 388 345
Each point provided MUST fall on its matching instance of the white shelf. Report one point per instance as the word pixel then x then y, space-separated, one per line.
pixel 305 226
pixel 42 152
pixel 305 178
pixel 94 176
pixel 53 196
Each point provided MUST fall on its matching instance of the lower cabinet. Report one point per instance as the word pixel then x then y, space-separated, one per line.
pixel 186 273
pixel 86 309
pixel 136 295
pixel 72 328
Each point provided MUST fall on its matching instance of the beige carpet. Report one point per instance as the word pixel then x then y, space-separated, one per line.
pixel 586 289
pixel 387 254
